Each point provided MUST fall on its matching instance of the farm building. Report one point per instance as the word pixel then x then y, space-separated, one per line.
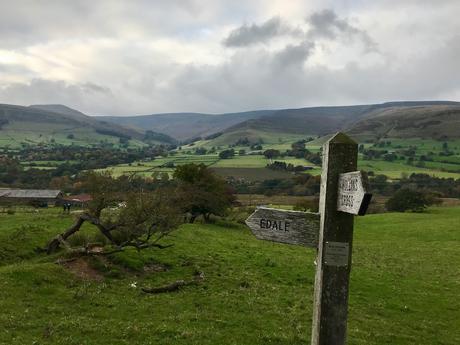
pixel 38 197
pixel 80 200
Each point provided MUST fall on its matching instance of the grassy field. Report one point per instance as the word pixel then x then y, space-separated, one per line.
pixel 32 133
pixel 237 164
pixel 404 286
pixel 268 139
pixel 394 170
pixel 439 165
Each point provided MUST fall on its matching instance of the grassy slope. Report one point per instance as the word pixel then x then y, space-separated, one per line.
pixel 432 121
pixel 13 135
pixel 404 287
pixel 394 170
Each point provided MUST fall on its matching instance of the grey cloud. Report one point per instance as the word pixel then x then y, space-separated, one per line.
pixel 16 69
pixel 293 55
pixel 94 88
pixel 326 24
pixel 252 34
pixel 254 80
pixel 29 22
pixel 83 96
pixel 122 77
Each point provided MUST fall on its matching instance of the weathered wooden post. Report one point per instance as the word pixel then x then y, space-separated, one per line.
pixel 343 194
pixel 330 305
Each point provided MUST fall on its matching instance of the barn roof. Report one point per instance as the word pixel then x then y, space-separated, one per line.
pixel 30 193
pixel 79 198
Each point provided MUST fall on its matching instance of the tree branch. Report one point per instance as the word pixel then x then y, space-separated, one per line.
pixel 54 244
pixel 199 277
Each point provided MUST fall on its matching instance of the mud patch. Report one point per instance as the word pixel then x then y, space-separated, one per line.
pixel 82 269
pixel 155 267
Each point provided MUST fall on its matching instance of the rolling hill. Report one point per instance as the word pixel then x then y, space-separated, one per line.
pixel 434 120
pixel 431 119
pixel 44 123
pixel 60 124
pixel 429 122
pixel 185 126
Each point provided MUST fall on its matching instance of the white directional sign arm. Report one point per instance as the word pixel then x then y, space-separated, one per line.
pixel 352 196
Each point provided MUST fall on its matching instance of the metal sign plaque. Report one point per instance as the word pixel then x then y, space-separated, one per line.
pixel 352 194
pixel 336 253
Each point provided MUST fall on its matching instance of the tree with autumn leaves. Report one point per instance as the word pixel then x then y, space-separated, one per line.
pixel 201 192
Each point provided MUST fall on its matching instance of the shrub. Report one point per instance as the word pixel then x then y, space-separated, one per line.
pixel 407 199
pixel 226 154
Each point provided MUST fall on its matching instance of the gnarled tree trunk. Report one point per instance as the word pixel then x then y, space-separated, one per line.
pixel 54 244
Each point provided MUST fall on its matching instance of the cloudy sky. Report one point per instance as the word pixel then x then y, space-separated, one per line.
pixel 114 57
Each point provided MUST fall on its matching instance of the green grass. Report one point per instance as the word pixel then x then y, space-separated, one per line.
pixel 424 145
pixel 237 163
pixel 24 132
pixel 253 161
pixel 448 168
pixel 395 169
pixel 404 287
pixel 253 174
pixel 266 137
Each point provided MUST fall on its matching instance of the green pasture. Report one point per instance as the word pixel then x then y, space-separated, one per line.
pixel 265 137
pixel 253 174
pixel 256 162
pixel 395 169
pixel 404 286
pixel 441 166
pixel 424 145
pixel 34 133
pixel 450 167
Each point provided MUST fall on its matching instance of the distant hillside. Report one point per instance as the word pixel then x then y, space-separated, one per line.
pixel 183 126
pixel 399 119
pixel 433 121
pixel 59 109
pixel 323 120
pixel 42 123
pixel 60 124
pixel 314 121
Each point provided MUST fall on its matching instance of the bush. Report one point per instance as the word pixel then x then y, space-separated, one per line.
pixel 407 199
pixel 226 154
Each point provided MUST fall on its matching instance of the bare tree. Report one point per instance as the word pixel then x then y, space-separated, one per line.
pixel 125 217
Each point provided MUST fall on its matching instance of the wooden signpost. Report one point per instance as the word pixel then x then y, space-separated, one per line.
pixel 343 194
pixel 292 227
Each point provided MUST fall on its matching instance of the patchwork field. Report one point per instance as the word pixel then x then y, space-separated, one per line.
pixel 395 170
pixel 436 158
pixel 404 286
pixel 239 166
